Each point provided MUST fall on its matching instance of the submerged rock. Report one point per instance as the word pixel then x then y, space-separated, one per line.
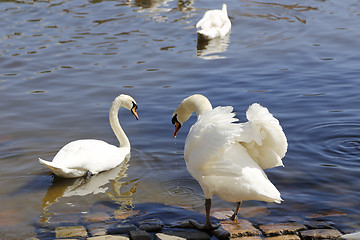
pixel 71 232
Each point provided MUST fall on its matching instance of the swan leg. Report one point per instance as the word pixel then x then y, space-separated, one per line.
pixel 236 211
pixel 207 226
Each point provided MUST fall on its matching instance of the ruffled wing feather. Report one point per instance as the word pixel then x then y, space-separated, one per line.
pixel 263 137
pixel 213 131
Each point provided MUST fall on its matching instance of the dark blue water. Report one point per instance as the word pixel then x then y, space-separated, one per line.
pixel 63 62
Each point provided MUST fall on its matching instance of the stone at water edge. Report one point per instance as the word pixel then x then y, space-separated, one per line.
pixel 152 225
pixel 321 234
pixel 96 217
pixel 140 235
pixel 281 228
pixel 284 237
pixel 240 228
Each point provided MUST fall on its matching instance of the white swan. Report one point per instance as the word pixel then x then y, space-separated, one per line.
pixel 228 158
pixel 215 23
pixel 91 156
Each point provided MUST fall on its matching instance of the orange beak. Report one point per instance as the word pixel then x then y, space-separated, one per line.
pixel 133 111
pixel 177 128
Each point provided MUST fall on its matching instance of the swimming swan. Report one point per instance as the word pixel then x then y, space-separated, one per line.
pixel 91 156
pixel 227 158
pixel 215 23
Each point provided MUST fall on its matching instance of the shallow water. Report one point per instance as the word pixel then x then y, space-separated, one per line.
pixel 63 62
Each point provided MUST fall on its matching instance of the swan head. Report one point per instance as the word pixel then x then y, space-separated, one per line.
pixel 127 102
pixel 195 103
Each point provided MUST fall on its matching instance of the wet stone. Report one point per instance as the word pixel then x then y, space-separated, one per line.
pixel 163 236
pixel 284 237
pixel 121 228
pixel 64 219
pixel 247 238
pixel 153 225
pixel 330 213
pixel 184 224
pixel 139 235
pixel 109 237
pixel 240 228
pixel 96 217
pixel 281 228
pixel 70 232
pixel 189 235
pixel 222 214
pixel 119 214
pixel 250 212
pixel 221 233
pixel 97 230
pixel 320 234
pixel 319 224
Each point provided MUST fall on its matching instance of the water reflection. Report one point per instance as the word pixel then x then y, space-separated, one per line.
pixel 62 187
pixel 209 49
pixel 151 4
pixel 287 12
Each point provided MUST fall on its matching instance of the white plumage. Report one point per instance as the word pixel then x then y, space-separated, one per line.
pixel 351 236
pixel 80 157
pixel 215 23
pixel 227 158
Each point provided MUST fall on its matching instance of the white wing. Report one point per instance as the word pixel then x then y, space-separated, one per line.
pixel 263 137
pixel 222 164
pixel 213 131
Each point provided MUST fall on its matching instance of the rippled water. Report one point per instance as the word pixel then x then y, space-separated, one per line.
pixel 63 62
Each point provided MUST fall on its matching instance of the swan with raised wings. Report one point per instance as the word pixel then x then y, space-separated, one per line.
pixel 91 156
pixel 215 23
pixel 227 158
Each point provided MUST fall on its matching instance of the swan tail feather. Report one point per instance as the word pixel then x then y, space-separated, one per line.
pixel 62 171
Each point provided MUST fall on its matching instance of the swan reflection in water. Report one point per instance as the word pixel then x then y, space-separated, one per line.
pixel 209 49
pixel 67 187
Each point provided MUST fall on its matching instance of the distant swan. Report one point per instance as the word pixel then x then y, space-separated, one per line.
pixel 227 158
pixel 91 156
pixel 215 23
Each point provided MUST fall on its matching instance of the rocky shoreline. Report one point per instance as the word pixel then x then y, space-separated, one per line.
pixel 173 224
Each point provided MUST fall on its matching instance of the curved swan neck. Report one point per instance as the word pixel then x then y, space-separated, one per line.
pixel 195 103
pixel 200 104
pixel 115 124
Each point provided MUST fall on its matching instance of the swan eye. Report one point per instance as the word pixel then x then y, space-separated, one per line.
pixel 134 106
pixel 174 119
